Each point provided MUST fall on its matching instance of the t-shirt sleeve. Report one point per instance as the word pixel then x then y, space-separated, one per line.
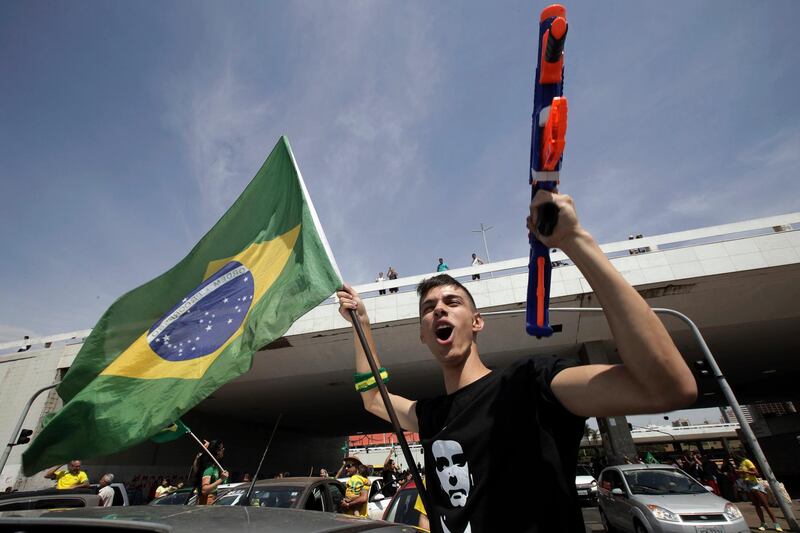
pixel 210 471
pixel 83 478
pixel 544 369
pixel 60 474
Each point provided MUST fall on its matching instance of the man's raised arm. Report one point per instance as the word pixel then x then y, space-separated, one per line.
pixel 405 408
pixel 653 377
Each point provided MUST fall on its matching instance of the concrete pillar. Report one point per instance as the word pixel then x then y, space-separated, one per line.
pixel 617 441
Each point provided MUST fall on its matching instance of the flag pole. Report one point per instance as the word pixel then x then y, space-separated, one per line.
pixel 221 469
pixel 401 437
pixel 246 499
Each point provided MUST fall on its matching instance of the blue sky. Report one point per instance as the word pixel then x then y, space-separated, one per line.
pixel 127 129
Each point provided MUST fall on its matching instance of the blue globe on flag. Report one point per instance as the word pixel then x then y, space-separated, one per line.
pixel 206 318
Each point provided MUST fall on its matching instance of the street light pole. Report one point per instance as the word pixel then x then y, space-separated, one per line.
pixel 13 439
pixel 483 231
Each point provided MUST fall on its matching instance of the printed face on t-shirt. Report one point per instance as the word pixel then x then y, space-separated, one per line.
pixel 453 471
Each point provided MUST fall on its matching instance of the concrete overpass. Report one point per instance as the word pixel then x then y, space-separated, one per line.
pixel 739 283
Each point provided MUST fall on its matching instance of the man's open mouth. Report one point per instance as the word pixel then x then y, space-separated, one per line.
pixel 444 332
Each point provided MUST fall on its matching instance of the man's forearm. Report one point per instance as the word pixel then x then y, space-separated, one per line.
pixel 644 345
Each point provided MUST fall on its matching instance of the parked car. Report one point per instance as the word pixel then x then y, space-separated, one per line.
pixel 585 485
pixel 48 499
pixel 376 500
pixel 310 493
pixel 401 507
pixel 164 519
pixel 661 498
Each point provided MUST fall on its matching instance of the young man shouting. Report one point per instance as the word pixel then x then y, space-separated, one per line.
pixel 533 412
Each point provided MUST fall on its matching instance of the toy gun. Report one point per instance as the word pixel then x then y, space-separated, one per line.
pixel 547 145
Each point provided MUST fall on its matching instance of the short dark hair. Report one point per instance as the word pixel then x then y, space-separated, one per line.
pixel 442 280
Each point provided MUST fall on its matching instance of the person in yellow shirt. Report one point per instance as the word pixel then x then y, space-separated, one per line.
pixel 755 491
pixel 356 495
pixel 72 478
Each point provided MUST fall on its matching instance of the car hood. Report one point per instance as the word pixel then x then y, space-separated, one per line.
pixel 583 480
pixel 685 503
pixel 187 519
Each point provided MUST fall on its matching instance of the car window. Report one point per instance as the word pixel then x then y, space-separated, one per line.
pixel 20 505
pixel 231 498
pixel 170 499
pixel 662 482
pixel 316 500
pixel 336 494
pixel 610 480
pixel 58 503
pixel 583 471
pixel 401 510
pixel 118 498
pixel 374 490
pixel 284 497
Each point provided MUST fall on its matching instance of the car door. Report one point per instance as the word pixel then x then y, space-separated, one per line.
pixel 314 499
pixel 616 507
pixel 336 491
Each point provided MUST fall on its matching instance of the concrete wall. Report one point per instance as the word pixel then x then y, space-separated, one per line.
pixel 21 375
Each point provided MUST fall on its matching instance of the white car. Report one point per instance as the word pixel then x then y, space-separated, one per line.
pixel 377 501
pixel 585 484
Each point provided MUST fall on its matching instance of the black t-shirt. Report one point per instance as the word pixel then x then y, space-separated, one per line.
pixel 500 453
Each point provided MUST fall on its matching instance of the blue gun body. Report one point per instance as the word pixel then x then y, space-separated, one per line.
pixel 547 143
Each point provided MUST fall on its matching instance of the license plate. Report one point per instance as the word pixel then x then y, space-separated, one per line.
pixel 709 530
pixel 583 492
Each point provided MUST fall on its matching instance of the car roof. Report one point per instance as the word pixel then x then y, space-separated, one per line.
pixel 44 492
pixel 195 518
pixel 640 466
pixel 284 482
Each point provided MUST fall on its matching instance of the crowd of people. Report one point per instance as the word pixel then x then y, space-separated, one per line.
pixel 441 266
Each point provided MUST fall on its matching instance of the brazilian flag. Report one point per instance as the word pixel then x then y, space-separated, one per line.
pixel 165 346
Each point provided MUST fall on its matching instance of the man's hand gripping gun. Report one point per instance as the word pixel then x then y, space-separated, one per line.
pixel 547 146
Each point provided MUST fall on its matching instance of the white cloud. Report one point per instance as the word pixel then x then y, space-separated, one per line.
pixel 221 120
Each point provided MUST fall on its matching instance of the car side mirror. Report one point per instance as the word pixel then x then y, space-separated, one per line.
pixel 709 489
pixel 617 492
pixel 378 497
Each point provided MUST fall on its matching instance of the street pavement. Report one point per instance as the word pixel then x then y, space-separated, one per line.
pixel 591 516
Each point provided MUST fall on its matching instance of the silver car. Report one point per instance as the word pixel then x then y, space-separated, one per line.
pixel 662 498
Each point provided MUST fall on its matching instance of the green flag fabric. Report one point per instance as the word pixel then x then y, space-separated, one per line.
pixel 170 433
pixel 165 346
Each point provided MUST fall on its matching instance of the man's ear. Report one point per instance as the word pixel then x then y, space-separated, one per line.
pixel 477 322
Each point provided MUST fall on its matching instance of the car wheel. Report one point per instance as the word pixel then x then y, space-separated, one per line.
pixel 606 523
pixel 639 528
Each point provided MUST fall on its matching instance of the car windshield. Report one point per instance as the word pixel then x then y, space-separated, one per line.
pixel 267 497
pixel 179 498
pixel 661 482
pixel 583 471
